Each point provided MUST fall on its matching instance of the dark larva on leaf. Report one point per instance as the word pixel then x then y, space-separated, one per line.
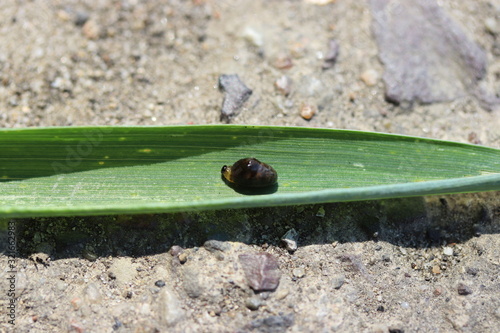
pixel 250 172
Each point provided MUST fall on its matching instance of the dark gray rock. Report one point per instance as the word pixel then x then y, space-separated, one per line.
pixel 261 270
pixel 271 324
pixel 472 271
pixel 236 94
pixel 463 289
pixel 215 245
pixel 332 54
pixel 427 56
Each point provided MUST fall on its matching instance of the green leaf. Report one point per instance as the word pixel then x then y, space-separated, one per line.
pixel 110 170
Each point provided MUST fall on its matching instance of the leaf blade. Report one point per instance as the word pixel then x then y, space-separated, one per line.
pixel 99 170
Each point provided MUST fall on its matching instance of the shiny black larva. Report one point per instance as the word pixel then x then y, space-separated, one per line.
pixel 250 172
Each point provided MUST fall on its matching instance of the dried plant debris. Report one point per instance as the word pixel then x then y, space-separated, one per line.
pixel 236 94
pixel 428 58
pixel 261 271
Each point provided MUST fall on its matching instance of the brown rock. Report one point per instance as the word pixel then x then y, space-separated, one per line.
pixel 261 270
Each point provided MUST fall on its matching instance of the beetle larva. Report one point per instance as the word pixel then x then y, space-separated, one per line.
pixel 250 172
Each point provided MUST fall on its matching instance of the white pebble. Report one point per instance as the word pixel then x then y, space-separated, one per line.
pixel 299 272
pixel 253 36
pixel 448 251
pixel 405 305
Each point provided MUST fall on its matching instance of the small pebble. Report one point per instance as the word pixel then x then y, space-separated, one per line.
pixel 76 326
pixel 472 271
pixel 332 54
pixel 253 303
pixel 299 272
pixel 438 291
pixel 370 77
pixel 290 240
pixel 393 329
pixel 307 111
pixel 283 85
pixel 283 62
pixel 160 283
pixel 436 269
pixel 215 245
pixel 474 138
pixel 463 289
pixel 91 30
pixel 290 244
pixel 380 308
pixel 253 36
pixel 281 294
pixel 448 251
pixel 405 305
pixel 183 257
pixel 63 15
pixel 338 281
pixel 80 18
pixel 175 250
pixel 117 324
pixel 76 303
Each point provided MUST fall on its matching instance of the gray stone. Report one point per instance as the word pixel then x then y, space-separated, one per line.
pixel 338 281
pixel 215 245
pixel 271 324
pixel 236 94
pixel 472 271
pixel 427 56
pixel 463 289
pixel 332 54
pixel 253 303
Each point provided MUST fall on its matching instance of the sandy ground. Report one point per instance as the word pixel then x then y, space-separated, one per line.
pixel 412 265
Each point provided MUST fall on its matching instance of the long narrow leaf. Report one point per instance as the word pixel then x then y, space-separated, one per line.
pixel 110 170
